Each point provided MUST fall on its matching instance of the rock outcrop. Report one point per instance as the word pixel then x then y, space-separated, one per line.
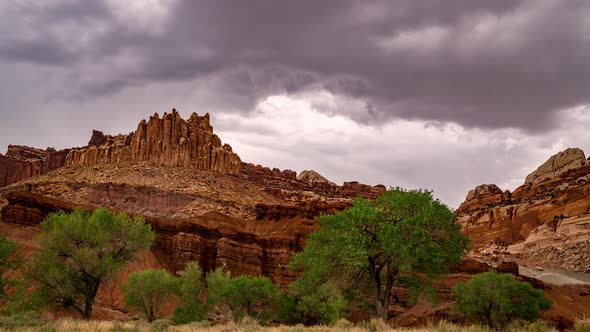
pixel 23 162
pixel 565 160
pixel 548 216
pixel 170 141
pixel 313 178
pixel 286 185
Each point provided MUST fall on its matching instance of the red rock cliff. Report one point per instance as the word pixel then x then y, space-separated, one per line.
pixel 169 140
pixel 23 162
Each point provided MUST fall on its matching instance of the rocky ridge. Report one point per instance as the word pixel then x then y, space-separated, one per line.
pixel 169 141
pixel 547 219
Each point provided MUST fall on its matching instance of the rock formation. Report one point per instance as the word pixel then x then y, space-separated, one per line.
pixel 23 162
pixel 312 178
pixel 170 141
pixel 548 216
pixel 565 160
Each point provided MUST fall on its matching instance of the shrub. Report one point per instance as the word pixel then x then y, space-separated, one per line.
pixel 319 305
pixel 147 291
pixel 191 308
pixel 496 299
pixel 242 296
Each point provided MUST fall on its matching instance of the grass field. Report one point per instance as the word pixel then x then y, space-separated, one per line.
pixel 251 325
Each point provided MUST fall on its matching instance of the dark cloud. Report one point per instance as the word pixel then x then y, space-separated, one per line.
pixel 476 62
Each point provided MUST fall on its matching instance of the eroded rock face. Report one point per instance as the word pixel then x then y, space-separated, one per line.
pixel 170 141
pixel 23 162
pixel 565 160
pixel 549 214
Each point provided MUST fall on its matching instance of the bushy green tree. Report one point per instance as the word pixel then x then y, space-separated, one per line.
pixel 243 295
pixel 400 236
pixel 497 298
pixel 9 262
pixel 147 291
pixel 81 250
pixel 191 308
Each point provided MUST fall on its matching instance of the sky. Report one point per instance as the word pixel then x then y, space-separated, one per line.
pixel 439 95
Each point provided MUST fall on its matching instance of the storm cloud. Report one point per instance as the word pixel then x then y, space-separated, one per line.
pixel 517 69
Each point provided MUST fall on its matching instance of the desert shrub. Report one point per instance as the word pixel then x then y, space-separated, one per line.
pixel 192 308
pixel 495 299
pixel 324 304
pixel 160 325
pixel 148 290
pixel 241 296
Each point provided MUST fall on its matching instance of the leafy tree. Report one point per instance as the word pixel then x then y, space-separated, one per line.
pixel 147 291
pixel 192 308
pixel 396 239
pixel 243 295
pixel 9 262
pixel 496 298
pixel 81 250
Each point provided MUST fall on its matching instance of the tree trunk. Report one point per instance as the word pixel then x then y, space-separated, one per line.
pixel 385 297
pixel 89 300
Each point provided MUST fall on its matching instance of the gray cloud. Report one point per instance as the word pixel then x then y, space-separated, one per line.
pixel 479 63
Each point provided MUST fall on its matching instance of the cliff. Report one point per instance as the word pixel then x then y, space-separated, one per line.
pixel 170 141
pixel 23 162
pixel 547 218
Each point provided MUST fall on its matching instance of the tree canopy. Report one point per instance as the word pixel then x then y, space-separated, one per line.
pixel 400 237
pixel 9 261
pixel 81 250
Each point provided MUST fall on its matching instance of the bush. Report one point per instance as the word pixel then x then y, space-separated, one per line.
pixel 520 326
pixel 311 306
pixel 147 291
pixel 191 308
pixel 241 296
pixel 496 299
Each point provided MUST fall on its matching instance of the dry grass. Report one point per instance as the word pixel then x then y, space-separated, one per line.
pixel 250 325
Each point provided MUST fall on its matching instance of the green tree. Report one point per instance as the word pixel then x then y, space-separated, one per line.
pixel 243 295
pixel 147 291
pixel 400 237
pixel 497 298
pixel 9 262
pixel 81 250
pixel 192 308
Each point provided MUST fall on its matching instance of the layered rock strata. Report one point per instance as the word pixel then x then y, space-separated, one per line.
pixel 170 141
pixel 286 185
pixel 23 162
pixel 550 213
